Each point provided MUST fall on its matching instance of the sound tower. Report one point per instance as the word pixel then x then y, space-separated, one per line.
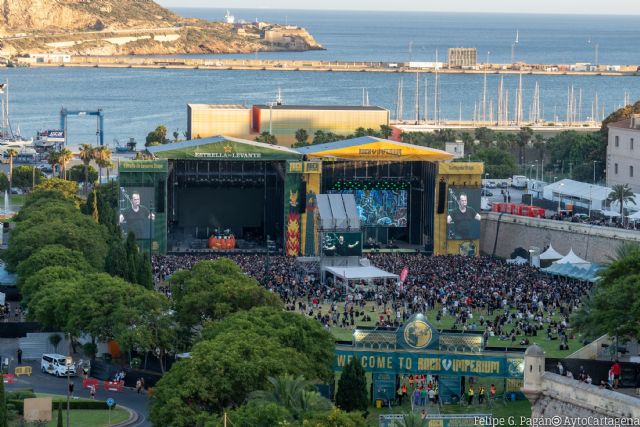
pixel 442 195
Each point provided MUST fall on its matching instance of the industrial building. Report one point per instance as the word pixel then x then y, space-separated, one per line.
pixel 207 120
pixel 462 57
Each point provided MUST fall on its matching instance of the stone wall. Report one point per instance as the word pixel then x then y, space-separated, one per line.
pixel 502 233
pixel 565 397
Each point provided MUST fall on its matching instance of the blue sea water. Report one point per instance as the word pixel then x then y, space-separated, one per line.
pixel 136 100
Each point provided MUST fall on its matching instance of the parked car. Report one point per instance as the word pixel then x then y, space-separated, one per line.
pixel 491 184
pixel 56 364
pixel 16 190
pixel 486 193
pixel 503 184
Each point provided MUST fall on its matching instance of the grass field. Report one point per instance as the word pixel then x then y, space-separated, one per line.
pixel 81 417
pixel 550 347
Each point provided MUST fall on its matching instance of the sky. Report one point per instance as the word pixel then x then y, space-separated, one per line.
pixel 622 7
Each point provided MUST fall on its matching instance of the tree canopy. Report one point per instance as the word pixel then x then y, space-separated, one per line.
pixel 214 289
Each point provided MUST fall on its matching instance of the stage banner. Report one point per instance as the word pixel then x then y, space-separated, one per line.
pixel 292 185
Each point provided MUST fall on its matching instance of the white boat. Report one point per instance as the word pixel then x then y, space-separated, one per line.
pixel 7 136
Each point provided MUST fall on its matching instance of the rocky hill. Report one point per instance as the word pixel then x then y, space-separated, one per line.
pixel 114 27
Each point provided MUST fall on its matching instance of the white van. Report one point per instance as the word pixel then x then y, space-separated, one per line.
pixel 519 181
pixel 56 364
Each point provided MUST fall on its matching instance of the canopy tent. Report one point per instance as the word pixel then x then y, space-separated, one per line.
pixel 517 261
pixel 583 194
pixel 635 216
pixel 611 214
pixel 585 272
pixel 572 258
pixel 360 273
pixel 550 254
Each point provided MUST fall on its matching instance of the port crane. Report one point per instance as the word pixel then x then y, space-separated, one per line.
pixel 98 113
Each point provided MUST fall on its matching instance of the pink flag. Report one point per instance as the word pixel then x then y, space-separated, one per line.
pixel 403 274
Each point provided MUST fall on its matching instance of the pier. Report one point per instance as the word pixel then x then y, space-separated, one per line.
pixel 53 60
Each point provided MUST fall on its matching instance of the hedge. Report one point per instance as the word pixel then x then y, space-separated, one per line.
pixel 73 404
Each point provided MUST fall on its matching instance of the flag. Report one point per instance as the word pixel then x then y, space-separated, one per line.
pixel 403 274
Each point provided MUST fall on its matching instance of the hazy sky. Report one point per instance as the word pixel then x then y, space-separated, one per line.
pixel 622 7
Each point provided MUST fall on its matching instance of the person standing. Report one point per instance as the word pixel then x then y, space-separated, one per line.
pixel 92 391
pixel 470 394
pixel 139 386
pixel 19 356
pixel 617 371
pixel 481 394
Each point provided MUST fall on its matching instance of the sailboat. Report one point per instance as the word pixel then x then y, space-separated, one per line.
pixel 9 139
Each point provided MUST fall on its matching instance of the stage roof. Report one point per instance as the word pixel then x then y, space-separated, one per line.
pixel 223 148
pixel 360 273
pixel 372 148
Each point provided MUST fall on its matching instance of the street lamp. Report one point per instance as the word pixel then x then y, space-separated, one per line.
pixel 537 169
pixel 485 182
pixel 560 195
pixel 68 362
pixel 590 200
pixel 594 170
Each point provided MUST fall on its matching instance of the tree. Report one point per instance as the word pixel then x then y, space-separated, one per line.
pixel 52 159
pixel 485 136
pixel 47 189
pixel 145 273
pixel 214 289
pixel 352 392
pixel 445 135
pixel 386 131
pixel 498 163
pixel 47 275
pixel 267 138
pixel 11 152
pixel 319 137
pixel 116 262
pixel 80 173
pixel 159 136
pixel 86 155
pixel 524 138
pixel 295 394
pixel 223 371
pixel 25 176
pixel 468 141
pixel 49 256
pixel 64 157
pixel 102 156
pixel 302 136
pixel 621 194
pixel 4 182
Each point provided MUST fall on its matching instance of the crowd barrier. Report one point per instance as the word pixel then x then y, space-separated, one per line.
pixel 88 382
pixel 114 385
pixel 23 370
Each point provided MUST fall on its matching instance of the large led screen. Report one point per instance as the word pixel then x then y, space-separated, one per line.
pixel 382 208
pixel 342 244
pixel 463 218
pixel 135 213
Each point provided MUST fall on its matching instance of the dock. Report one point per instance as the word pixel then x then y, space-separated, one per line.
pixel 319 66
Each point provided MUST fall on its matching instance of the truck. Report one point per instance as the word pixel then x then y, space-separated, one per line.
pixel 519 181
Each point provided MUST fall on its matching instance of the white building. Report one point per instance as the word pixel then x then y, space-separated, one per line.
pixel 456 148
pixel 623 153
pixel 583 194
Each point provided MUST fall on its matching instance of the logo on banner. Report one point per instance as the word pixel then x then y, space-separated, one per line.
pixel 446 364
pixel 418 334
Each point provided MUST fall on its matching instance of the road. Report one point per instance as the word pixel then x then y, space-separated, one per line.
pixel 45 383
pixel 106 33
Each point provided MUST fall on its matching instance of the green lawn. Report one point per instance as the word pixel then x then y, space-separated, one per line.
pixel 86 418
pixel 550 347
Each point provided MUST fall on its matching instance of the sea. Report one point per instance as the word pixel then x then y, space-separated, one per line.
pixel 135 101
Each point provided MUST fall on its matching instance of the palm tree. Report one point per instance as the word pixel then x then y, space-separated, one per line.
pixel 622 194
pixel 53 161
pixel 624 250
pixel 106 158
pixel 103 159
pixel 11 152
pixel 86 155
pixel 64 156
pixel 301 137
pixel 294 394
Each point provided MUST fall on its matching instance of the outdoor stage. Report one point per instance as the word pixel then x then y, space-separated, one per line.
pixel 230 195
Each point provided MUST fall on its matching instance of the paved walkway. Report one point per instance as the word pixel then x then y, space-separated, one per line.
pixel 45 383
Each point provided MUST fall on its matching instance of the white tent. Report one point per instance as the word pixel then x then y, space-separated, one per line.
pixel 635 216
pixel 517 261
pixel 610 214
pixel 360 273
pixel 572 258
pixel 550 254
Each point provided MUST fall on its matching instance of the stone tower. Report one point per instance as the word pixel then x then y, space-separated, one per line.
pixel 533 371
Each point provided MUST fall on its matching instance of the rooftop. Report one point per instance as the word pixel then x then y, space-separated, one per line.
pixel 218 106
pixel 324 107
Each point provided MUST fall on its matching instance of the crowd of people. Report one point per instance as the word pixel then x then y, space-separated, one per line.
pixel 477 293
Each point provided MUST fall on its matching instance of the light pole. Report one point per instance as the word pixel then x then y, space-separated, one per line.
pixel 485 182
pixel 590 200
pixel 560 196
pixel 594 170
pixel 537 169
pixel 68 362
